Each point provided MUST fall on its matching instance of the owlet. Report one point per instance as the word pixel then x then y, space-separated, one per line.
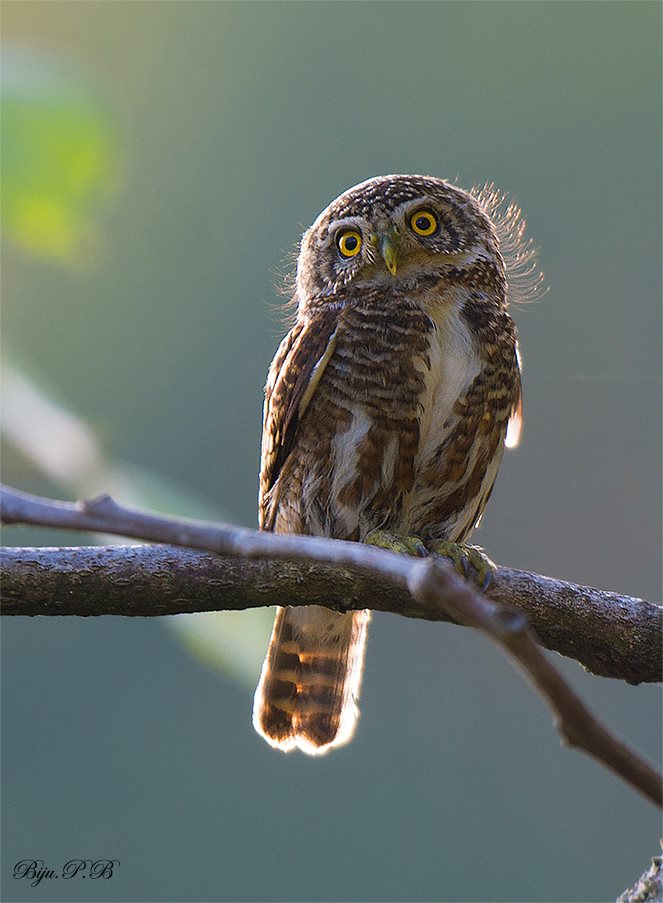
pixel 387 408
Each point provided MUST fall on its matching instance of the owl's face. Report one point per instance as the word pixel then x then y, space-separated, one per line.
pixel 390 232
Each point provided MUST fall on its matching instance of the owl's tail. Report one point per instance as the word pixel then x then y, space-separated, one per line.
pixel 310 680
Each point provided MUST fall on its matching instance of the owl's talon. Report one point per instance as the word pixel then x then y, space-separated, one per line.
pixel 395 542
pixel 469 561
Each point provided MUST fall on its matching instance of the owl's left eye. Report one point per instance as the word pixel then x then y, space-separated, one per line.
pixel 349 243
pixel 423 222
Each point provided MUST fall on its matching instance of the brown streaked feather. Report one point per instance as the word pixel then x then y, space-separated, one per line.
pixel 310 680
pixel 293 377
pixel 278 689
pixel 330 680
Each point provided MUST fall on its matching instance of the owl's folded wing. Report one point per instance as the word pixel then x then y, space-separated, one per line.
pixel 293 377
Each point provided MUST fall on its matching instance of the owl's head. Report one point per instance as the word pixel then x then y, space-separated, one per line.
pixel 393 231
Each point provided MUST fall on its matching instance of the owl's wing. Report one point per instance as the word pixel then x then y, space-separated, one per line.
pixel 293 377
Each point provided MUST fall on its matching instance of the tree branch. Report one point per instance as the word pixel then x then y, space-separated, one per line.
pixel 431 582
pixel 610 635
pixel 649 886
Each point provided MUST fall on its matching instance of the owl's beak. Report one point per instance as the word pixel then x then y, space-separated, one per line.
pixel 388 251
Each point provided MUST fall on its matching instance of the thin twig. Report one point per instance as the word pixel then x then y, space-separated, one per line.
pixel 431 582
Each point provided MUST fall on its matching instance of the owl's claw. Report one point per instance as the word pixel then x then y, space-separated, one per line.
pixel 470 561
pixel 394 542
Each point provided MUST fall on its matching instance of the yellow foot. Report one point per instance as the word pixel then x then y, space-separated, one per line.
pixel 394 542
pixel 469 561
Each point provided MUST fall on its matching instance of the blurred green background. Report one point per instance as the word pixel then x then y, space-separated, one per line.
pixel 159 163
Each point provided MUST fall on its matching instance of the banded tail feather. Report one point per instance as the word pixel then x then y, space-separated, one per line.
pixel 310 681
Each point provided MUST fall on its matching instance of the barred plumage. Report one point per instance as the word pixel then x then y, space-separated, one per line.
pixel 386 407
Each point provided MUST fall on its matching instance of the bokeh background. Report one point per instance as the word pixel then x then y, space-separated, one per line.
pixel 159 163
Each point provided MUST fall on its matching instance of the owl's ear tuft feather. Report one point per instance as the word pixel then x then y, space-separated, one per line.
pixel 524 276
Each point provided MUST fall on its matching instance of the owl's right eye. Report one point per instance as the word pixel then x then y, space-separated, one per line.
pixel 349 243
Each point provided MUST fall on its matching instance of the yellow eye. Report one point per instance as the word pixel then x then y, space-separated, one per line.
pixel 349 243
pixel 423 222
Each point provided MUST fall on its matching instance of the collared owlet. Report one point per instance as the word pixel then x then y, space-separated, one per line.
pixel 387 408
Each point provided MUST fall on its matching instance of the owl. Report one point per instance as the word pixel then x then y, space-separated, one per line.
pixel 386 414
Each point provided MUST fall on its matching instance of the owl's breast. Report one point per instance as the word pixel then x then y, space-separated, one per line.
pixel 455 363
pixel 397 378
pixel 465 408
pixel 381 413
pixel 376 382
